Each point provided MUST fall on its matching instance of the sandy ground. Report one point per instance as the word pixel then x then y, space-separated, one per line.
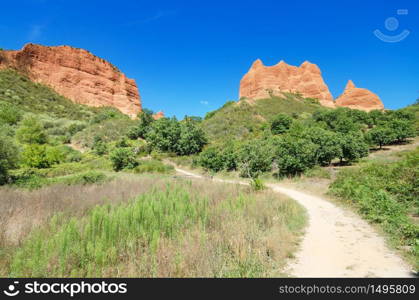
pixel 337 242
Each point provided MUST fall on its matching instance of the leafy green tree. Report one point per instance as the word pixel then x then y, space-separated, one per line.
pixel 376 116
pixel 211 159
pixel 381 135
pixel 329 145
pixel 35 156
pixel 164 134
pixel 145 119
pixel 123 158
pixel 192 139
pixel 8 157
pixel 402 129
pixel 99 146
pixel 294 155
pixel 31 131
pixel 254 158
pixel 354 146
pixel 281 124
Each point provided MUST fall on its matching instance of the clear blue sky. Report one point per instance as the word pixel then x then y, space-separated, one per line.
pixel 189 56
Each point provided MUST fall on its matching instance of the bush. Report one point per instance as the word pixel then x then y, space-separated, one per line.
pixel 294 155
pixel 402 129
pixel 9 114
pixel 141 128
pixel 41 156
pixel 89 177
pixel 123 158
pixel 8 157
pixel 329 145
pixel 255 158
pixel 257 184
pixel 31 131
pixel 192 139
pixel 99 146
pixel 153 166
pixel 281 123
pixel 211 159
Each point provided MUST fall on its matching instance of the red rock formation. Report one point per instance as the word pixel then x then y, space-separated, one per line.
pixel 262 81
pixel 76 74
pixel 158 115
pixel 357 98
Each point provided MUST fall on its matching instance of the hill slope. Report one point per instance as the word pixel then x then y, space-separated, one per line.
pixel 243 119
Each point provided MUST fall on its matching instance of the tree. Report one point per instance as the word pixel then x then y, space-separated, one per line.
pixel 381 135
pixel 281 123
pixel 164 134
pixel 254 158
pixel 8 157
pixel 35 156
pixel 99 146
pixel 402 129
pixel 31 131
pixel 294 155
pixel 329 145
pixel 354 146
pixel 145 118
pixel 211 159
pixel 123 158
pixel 192 139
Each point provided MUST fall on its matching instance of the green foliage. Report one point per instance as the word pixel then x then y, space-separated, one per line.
pixel 328 142
pixel 281 123
pixel 153 166
pixel 123 158
pixel 31 131
pixel 8 157
pixel 354 146
pixel 294 155
pixel 99 146
pixel 402 129
pixel 107 113
pixel 9 114
pixel 182 138
pixel 257 184
pixel 41 156
pixel 255 158
pixel 211 159
pixel 139 130
pixel 381 135
pixel 386 193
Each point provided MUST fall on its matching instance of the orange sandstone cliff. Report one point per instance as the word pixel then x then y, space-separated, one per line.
pixel 76 74
pixel 263 81
pixel 357 98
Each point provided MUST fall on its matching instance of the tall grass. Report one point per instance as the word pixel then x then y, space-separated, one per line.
pixel 176 229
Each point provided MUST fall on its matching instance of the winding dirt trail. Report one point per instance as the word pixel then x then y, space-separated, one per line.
pixel 337 242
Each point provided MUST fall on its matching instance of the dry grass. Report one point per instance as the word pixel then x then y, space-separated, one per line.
pixel 245 234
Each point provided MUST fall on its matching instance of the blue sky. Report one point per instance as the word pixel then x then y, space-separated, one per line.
pixel 189 56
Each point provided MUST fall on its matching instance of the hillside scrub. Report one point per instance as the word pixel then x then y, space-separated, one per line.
pixel 182 229
pixel 386 193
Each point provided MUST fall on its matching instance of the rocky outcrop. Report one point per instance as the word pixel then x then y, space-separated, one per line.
pixel 263 81
pixel 158 115
pixel 76 74
pixel 357 98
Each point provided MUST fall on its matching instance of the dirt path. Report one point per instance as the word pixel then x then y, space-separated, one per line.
pixel 337 243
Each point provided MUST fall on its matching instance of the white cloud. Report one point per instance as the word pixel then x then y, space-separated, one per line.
pixel 204 102
pixel 35 32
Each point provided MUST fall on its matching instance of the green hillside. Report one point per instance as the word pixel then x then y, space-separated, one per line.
pixel 246 118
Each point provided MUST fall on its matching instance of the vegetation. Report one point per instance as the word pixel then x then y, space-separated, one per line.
pixel 386 193
pixel 184 229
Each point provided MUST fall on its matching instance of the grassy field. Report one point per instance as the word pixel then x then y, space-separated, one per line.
pixel 146 226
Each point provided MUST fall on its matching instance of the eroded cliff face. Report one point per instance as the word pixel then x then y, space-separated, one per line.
pixel 262 81
pixel 76 74
pixel 357 98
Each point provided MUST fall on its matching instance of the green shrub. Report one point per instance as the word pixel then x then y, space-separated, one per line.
pixel 42 156
pixel 381 135
pixel 211 159
pixel 328 142
pixel 294 155
pixel 9 114
pixel 254 158
pixel 153 166
pixel 8 157
pixel 257 184
pixel 31 131
pixel 281 123
pixel 354 146
pixel 123 158
pixel 90 177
